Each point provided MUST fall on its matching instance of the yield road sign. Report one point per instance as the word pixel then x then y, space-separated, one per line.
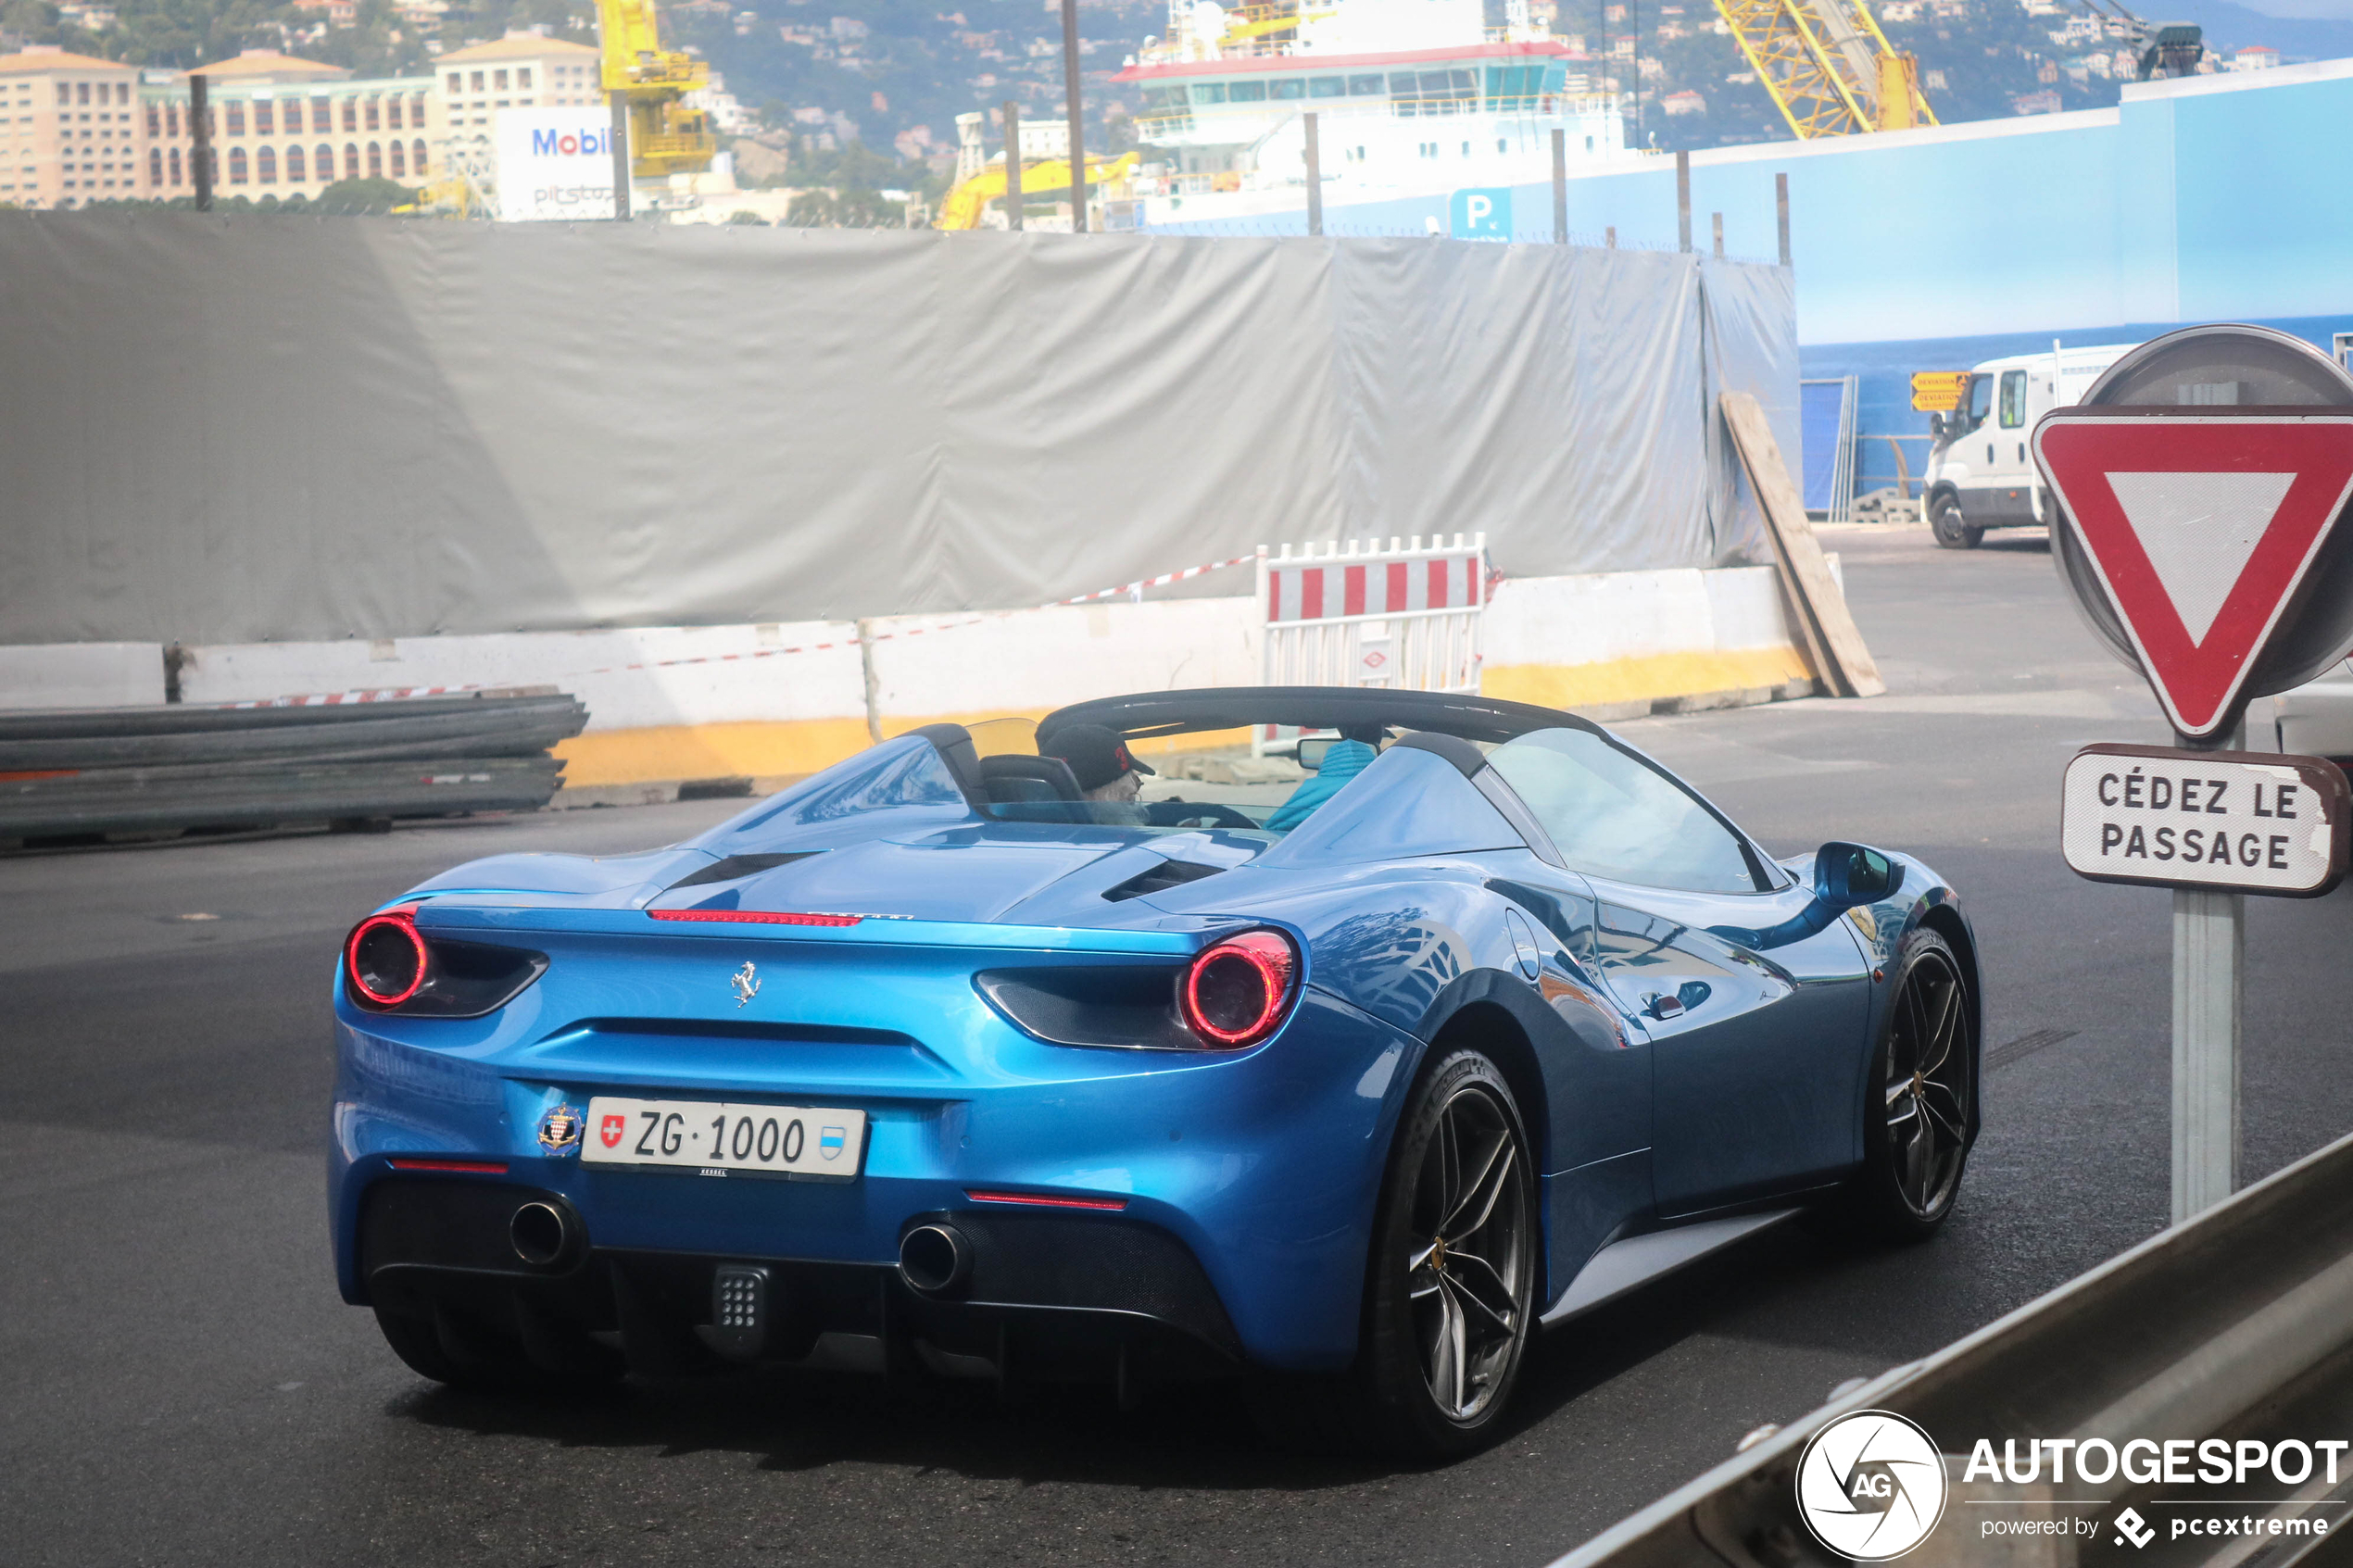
pixel 2201 525
pixel 2197 491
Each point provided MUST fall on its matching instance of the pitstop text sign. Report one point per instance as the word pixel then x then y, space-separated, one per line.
pixel 2243 821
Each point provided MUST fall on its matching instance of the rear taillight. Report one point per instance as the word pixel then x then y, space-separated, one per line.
pixel 384 958
pixel 1237 992
pixel 390 966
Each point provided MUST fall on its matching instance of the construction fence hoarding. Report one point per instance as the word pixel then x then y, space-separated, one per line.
pixel 253 431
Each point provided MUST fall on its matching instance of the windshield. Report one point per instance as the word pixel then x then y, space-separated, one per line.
pixel 1016 736
pixel 1168 789
pixel 1172 784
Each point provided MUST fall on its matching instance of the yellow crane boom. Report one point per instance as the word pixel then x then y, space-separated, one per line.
pixel 1245 23
pixel 665 137
pixel 1827 66
pixel 962 208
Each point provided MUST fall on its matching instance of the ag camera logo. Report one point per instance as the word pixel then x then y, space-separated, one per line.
pixel 1870 1485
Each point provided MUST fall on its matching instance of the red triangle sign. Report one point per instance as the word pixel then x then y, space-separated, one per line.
pixel 2201 526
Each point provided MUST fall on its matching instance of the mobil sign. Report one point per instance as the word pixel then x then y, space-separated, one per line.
pixel 554 164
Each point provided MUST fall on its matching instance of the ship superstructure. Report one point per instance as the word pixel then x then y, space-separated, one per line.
pixel 1411 96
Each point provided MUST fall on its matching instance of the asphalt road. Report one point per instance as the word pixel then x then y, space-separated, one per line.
pixel 178 1382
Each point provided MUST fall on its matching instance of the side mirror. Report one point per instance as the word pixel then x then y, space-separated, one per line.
pixel 1848 874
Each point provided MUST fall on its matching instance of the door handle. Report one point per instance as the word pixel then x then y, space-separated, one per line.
pixel 1662 1007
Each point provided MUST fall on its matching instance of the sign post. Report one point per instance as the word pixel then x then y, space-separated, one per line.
pixel 2198 492
pixel 2209 988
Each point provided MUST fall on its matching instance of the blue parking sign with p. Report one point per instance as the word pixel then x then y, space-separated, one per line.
pixel 1482 214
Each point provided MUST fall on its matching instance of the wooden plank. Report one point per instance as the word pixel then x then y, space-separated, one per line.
pixel 1826 671
pixel 1816 656
pixel 1833 639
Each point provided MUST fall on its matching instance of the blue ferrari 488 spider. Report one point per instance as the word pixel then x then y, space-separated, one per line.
pixel 972 1060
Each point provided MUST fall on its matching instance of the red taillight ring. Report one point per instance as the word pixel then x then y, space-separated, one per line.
pixel 1271 954
pixel 399 921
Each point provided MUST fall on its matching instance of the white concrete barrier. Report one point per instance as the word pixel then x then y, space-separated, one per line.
pixel 667 704
pixel 1613 645
pixel 81 674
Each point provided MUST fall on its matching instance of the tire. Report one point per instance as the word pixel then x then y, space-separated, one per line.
pixel 1450 1285
pixel 1953 531
pixel 452 1348
pixel 1917 1109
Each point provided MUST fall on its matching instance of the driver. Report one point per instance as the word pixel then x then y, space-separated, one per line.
pixel 1107 772
pixel 1346 758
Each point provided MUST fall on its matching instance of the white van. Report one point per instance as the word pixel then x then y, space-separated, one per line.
pixel 1980 474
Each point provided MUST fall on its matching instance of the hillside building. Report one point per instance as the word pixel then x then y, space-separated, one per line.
pixel 70 127
pixel 83 129
pixel 521 70
pixel 283 126
pixel 75 129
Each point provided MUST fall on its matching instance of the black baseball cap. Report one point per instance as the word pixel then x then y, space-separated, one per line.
pixel 1097 755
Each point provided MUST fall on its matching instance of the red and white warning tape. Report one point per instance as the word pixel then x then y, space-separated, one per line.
pixel 396 694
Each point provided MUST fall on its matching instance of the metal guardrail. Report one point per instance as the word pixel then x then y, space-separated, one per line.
pixel 175 719
pixel 461 728
pixel 2236 1326
pixel 78 773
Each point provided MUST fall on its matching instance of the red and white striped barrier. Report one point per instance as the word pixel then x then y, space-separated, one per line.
pixel 1403 580
pixel 1405 616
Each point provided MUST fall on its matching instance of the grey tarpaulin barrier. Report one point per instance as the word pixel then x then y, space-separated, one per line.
pixel 230 429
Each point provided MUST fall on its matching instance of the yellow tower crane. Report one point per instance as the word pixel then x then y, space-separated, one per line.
pixel 665 137
pixel 1827 67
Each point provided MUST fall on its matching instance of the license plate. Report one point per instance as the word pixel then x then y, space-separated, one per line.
pixel 809 1142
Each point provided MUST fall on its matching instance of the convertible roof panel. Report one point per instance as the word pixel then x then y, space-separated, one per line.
pixel 1312 707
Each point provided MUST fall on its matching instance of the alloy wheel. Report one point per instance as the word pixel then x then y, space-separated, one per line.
pixel 1469 1253
pixel 1927 1085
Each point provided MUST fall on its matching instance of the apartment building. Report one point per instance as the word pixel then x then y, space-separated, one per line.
pixel 521 70
pixel 71 130
pixel 283 127
pixel 75 129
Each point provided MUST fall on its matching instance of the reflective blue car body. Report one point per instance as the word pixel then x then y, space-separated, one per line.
pixel 1676 1054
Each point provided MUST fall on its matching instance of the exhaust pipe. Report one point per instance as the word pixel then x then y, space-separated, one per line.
pixel 935 1259
pixel 540 1233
